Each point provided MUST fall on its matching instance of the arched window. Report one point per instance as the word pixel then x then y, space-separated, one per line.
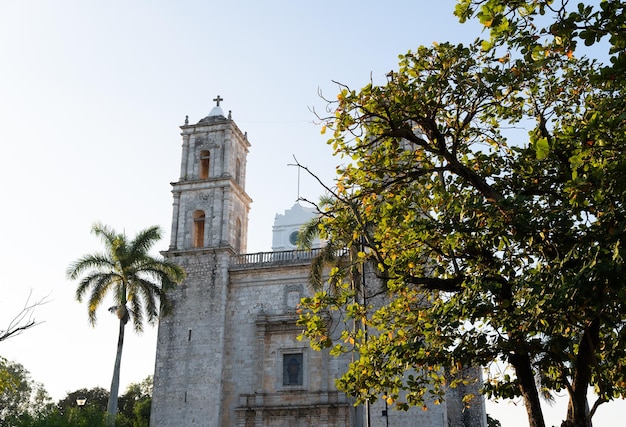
pixel 238 236
pixel 205 157
pixel 198 229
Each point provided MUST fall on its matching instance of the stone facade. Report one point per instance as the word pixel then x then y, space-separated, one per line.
pixel 228 356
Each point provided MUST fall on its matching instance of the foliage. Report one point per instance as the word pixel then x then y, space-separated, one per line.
pixel 96 398
pixel 489 245
pixel 135 403
pixel 134 409
pixel 492 422
pixel 19 394
pixel 135 279
pixel 142 412
pixel 89 416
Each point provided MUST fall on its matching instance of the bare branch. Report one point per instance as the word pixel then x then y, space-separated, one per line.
pixel 24 319
pixel 318 179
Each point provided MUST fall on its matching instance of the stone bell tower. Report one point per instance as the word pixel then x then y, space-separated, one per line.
pixel 210 203
pixel 209 226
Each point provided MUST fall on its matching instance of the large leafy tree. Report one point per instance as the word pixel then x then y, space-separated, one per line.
pixel 96 398
pixel 134 409
pixel 19 395
pixel 491 244
pixel 136 281
pixel 135 403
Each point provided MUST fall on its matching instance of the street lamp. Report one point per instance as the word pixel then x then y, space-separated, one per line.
pixel 80 401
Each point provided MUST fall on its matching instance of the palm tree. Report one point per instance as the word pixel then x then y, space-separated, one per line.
pixel 136 281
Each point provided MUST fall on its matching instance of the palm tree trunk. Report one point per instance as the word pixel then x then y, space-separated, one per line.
pixel 115 382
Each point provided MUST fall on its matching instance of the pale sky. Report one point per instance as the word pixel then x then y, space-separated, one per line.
pixel 92 95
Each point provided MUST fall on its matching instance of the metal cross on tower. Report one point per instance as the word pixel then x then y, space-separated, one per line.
pixel 218 100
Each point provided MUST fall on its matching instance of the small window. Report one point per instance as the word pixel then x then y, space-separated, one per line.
pixel 198 229
pixel 292 369
pixel 205 157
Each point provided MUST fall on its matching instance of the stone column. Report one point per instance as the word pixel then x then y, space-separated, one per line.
pixel 175 216
pixel 184 158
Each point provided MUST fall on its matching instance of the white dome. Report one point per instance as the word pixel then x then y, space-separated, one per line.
pixel 216 111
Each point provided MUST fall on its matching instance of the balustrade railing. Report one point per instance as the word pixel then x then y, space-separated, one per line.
pixel 278 257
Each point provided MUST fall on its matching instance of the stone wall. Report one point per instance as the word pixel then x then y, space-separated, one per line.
pixel 262 309
pixel 189 360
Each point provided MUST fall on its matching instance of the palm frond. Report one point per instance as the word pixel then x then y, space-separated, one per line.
pixel 105 233
pixel 88 262
pixel 99 284
pixel 145 240
pixel 164 272
pixel 332 254
pixel 150 294
pixel 137 281
pixel 308 233
pixel 137 311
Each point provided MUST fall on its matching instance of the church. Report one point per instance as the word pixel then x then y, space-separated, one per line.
pixel 229 354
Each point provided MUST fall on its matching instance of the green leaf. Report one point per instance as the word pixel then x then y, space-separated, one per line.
pixel 542 148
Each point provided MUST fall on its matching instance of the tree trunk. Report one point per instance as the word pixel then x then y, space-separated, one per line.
pixel 578 407
pixel 115 382
pixel 528 389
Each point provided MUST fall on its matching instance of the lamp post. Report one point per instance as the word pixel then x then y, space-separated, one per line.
pixel 80 401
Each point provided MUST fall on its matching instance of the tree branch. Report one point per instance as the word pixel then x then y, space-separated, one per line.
pixel 23 320
pixel 434 283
